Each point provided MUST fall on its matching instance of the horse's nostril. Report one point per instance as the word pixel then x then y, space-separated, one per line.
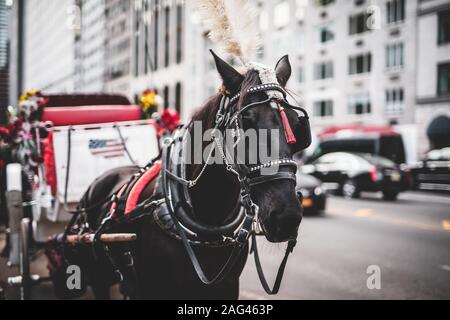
pixel 286 221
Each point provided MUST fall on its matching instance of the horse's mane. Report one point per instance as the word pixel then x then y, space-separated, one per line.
pixel 207 113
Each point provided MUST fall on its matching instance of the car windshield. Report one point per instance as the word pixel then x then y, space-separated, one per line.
pixel 436 155
pixel 346 145
pixel 304 179
pixel 378 161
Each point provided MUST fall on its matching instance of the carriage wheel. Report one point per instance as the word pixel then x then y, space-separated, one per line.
pixel 25 289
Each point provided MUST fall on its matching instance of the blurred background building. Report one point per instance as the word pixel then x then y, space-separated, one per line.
pixel 433 73
pixel 49 35
pixel 90 47
pixel 369 62
pixel 4 57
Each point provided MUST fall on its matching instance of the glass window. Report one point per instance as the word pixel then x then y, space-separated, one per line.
pixel 323 70
pixel 326 33
pixel 394 55
pixel 178 93
pixel 166 97
pixel 301 75
pixel 395 10
pixel 323 108
pixel 179 40
pixel 394 102
pixel 360 104
pixel 322 3
pixel 156 36
pixel 281 14
pixel 167 37
pixel 444 79
pixel 358 23
pixel 444 27
pixel 360 64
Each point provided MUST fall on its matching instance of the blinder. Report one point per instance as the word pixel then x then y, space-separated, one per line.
pixel 300 125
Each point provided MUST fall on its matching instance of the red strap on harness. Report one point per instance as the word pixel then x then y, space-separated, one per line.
pixel 290 137
pixel 140 186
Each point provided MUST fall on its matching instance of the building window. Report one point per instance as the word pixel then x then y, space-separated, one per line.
pixel 156 37
pixel 444 27
pixel 360 104
pixel 360 64
pixel 444 79
pixel 323 70
pixel 263 20
pixel 166 97
pixel 323 3
pixel 178 95
pixel 358 23
pixel 301 75
pixel 394 55
pixel 136 45
pixel 179 33
pixel 394 101
pixel 167 37
pixel 326 33
pixel 395 10
pixel 281 14
pixel 323 108
pixel 146 36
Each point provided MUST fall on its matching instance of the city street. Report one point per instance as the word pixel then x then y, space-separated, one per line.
pixel 408 240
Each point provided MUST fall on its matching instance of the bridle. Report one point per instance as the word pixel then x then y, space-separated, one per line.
pixel 176 187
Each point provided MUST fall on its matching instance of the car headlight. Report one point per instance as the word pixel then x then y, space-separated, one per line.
pixel 318 191
pixel 305 193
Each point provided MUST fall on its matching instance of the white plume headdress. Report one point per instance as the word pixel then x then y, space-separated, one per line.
pixel 232 25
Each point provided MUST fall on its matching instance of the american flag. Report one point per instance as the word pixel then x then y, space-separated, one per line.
pixel 107 148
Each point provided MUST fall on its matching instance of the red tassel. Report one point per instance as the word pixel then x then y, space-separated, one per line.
pixel 290 137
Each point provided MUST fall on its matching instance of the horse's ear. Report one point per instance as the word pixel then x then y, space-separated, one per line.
pixel 283 70
pixel 232 79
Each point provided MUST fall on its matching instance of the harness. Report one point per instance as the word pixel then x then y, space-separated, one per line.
pixel 173 211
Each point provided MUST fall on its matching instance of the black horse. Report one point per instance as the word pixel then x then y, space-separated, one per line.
pixel 162 267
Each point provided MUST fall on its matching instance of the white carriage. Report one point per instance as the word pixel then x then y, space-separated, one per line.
pixel 71 146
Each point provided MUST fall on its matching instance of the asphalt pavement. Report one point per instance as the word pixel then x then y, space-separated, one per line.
pixel 408 241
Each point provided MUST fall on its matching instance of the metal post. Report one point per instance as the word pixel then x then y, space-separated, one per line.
pixel 15 210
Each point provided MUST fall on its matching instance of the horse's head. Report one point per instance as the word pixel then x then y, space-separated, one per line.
pixel 280 210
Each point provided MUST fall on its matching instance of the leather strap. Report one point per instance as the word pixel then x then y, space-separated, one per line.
pixel 281 269
pixel 279 176
pixel 237 249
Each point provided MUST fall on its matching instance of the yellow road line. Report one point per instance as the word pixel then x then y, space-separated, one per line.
pixel 407 223
pixel 363 213
pixel 370 214
pixel 446 225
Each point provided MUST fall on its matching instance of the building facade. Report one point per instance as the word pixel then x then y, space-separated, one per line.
pixel 433 67
pixel 4 58
pixel 160 61
pixel 372 62
pixel 90 51
pixel 118 50
pixel 354 61
pixel 50 31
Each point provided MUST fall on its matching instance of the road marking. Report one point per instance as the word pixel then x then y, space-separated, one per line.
pixel 446 225
pixel 363 213
pixel 248 295
pixel 370 214
pixel 445 268
pixel 407 223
